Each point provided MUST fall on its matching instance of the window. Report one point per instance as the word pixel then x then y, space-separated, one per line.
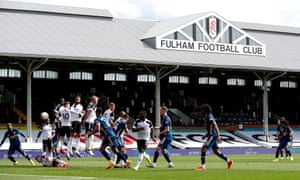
pixel 10 73
pixel 120 77
pixel 179 79
pixel 236 82
pixel 146 78
pixel 208 80
pixel 199 34
pixel 115 77
pixel 109 76
pixel 288 84
pixel 3 73
pixel 259 83
pixel 188 30
pixel 45 74
pixel 170 36
pixel 86 76
pixel 81 76
pixel 180 36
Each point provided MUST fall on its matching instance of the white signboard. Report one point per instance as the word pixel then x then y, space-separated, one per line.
pixel 210 47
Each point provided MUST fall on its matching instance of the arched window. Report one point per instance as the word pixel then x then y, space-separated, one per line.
pixel 81 76
pixel 146 78
pixel 45 74
pixel 10 73
pixel 179 79
pixel 236 82
pixel 208 80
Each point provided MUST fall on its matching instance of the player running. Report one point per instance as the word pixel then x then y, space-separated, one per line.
pixel 120 128
pixel 213 136
pixel 165 137
pixel 109 139
pixel 144 129
pixel 15 144
pixel 285 137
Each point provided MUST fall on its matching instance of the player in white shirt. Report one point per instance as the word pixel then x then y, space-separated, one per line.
pixel 144 129
pixel 89 121
pixel 77 113
pixel 47 131
pixel 57 125
pixel 110 113
pixel 66 126
pixel 51 162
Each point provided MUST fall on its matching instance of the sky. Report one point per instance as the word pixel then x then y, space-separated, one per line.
pixel 274 12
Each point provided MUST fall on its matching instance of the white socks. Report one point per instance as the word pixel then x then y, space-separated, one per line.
pixel 140 159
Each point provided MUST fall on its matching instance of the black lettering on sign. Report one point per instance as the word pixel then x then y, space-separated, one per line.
pixel 230 139
pixel 195 137
pixel 179 138
pixel 261 137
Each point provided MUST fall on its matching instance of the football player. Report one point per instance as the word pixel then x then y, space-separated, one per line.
pixel 77 113
pixel 110 139
pixel 165 137
pixel 213 136
pixel 144 129
pixel 89 122
pixel 15 144
pixel 47 130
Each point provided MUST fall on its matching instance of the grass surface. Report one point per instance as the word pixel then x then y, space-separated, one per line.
pixel 244 167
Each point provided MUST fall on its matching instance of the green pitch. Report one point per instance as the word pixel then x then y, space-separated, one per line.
pixel 245 167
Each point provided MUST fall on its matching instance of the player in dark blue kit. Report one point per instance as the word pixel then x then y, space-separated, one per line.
pixel 277 135
pixel 15 144
pixel 120 127
pixel 213 136
pixel 110 139
pixel 285 136
pixel 165 137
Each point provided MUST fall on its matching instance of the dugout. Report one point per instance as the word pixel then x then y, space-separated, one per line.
pixel 247 71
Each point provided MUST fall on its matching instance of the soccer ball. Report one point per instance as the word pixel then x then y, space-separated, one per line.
pixel 44 116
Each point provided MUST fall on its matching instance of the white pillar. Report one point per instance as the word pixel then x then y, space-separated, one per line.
pixel 29 107
pixel 157 101
pixel 265 110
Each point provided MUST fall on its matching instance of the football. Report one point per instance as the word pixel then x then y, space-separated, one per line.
pixel 44 116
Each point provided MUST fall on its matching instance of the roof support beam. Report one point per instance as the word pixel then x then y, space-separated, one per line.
pixel 30 67
pixel 221 33
pixel 159 73
pixel 203 31
pixel 265 77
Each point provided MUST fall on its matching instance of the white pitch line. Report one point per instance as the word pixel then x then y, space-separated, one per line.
pixel 45 177
pixel 48 177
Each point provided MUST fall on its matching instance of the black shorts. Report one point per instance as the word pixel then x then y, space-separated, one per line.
pixel 65 130
pixel 141 144
pixel 89 127
pixel 47 145
pixel 76 127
